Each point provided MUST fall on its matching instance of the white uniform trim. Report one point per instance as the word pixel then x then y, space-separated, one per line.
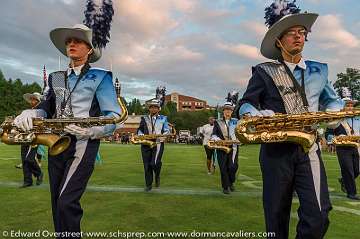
pixel 79 154
pixel 315 169
pixel 158 145
pixel 234 147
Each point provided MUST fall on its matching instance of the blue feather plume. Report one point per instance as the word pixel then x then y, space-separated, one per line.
pixel 279 9
pixel 160 94
pixel 99 21
pixel 90 12
pixel 232 97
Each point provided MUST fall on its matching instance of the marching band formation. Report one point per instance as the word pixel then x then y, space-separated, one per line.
pixel 285 99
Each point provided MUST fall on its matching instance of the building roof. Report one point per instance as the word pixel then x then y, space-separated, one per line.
pixel 184 98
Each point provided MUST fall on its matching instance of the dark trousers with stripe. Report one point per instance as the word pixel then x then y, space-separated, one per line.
pixel 69 173
pixel 152 162
pixel 228 168
pixel 285 169
pixel 349 164
pixel 29 164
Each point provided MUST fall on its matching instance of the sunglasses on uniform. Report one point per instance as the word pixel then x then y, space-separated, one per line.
pixel 292 33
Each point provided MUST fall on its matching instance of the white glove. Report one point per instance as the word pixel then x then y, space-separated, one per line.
pixel 24 121
pixel 214 137
pixel 267 112
pixel 79 132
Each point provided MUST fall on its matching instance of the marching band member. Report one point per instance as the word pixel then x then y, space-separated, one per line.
pixel 291 84
pixel 154 123
pixel 28 153
pixel 224 129
pixel 79 91
pixel 348 156
pixel 205 132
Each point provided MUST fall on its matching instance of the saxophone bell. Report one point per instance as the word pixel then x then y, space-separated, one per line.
pixel 57 144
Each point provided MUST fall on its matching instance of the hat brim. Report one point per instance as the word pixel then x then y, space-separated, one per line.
pixel 229 107
pixel 153 104
pixel 268 46
pixel 28 96
pixel 59 36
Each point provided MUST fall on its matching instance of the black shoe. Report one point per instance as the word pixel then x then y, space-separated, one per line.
pixel 26 185
pixel 226 191
pixel 232 188
pixel 148 188
pixel 353 197
pixel 157 182
pixel 343 189
pixel 39 179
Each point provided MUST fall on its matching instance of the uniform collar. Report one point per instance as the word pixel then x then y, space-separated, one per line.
pixel 155 116
pixel 292 66
pixel 77 70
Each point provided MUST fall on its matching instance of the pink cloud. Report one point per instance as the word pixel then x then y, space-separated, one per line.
pixel 145 19
pixel 331 33
pixel 233 75
pixel 242 50
pixel 254 27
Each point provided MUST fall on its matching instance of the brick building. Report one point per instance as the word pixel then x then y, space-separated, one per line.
pixel 186 103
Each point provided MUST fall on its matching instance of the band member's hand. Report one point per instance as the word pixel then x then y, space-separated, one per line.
pixel 79 132
pixel 267 112
pixel 24 121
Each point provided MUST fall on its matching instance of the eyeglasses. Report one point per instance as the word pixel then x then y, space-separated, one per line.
pixel 293 33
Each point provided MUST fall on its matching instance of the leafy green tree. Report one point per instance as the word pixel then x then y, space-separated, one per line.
pixel 11 92
pixel 135 107
pixel 169 109
pixel 191 120
pixel 351 80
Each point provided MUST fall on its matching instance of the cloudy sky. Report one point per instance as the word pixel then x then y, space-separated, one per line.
pixel 202 48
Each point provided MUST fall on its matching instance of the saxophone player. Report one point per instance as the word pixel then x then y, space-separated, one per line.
pixel 224 129
pixel 154 123
pixel 79 91
pixel 290 84
pixel 348 156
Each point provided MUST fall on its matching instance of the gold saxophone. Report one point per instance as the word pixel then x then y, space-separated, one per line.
pixel 347 140
pixel 296 128
pixel 150 139
pixel 224 145
pixel 50 132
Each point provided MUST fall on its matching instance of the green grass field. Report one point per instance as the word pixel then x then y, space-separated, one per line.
pixel 188 199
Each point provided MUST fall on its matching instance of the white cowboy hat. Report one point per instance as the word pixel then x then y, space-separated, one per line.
pixel 59 36
pixel 228 105
pixel 268 46
pixel 154 102
pixel 28 97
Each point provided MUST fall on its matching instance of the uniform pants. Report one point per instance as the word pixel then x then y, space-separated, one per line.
pixel 69 173
pixel 152 162
pixel 285 169
pixel 349 164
